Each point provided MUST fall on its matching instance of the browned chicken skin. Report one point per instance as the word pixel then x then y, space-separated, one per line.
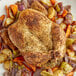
pixel 37 37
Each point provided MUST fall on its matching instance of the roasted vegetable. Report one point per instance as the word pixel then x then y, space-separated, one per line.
pixel 66 67
pixel 14 9
pixel 68 8
pixel 51 12
pixel 74 28
pixel 63 26
pixel 7 11
pixel 59 20
pixel 17 15
pixel 70 74
pixel 54 69
pixel 53 2
pixel 2 17
pixel 11 14
pixel 7 52
pixel 68 31
pixel 58 73
pixel 57 8
pixel 68 19
pixel 8 65
pixel 46 2
pixel 3 57
pixel 64 13
pixel 70 53
pixel 69 41
pixel 45 73
pixel 8 21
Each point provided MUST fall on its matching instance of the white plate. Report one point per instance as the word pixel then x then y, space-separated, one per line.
pixel 8 2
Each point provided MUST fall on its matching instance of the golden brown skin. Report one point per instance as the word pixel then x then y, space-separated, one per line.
pixel 37 6
pixel 32 35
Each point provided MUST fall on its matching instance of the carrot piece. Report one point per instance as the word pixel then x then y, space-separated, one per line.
pixel 32 67
pixel 68 31
pixel 20 61
pixel 7 11
pixel 53 1
pixel 59 16
pixel 70 74
pixel 54 69
pixel 14 9
pixel 64 13
pixel 53 19
pixel 2 17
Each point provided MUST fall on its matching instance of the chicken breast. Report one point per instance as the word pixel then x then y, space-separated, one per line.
pixel 33 34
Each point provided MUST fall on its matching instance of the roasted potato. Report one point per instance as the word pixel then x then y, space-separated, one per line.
pixel 8 65
pixel 7 52
pixel 46 2
pixel 66 67
pixel 69 41
pixel 45 73
pixel 3 57
pixel 63 26
pixel 8 21
pixel 51 12
pixel 58 73
pixel 70 53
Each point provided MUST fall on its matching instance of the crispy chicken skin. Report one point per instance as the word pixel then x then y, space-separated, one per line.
pixel 37 6
pixel 33 34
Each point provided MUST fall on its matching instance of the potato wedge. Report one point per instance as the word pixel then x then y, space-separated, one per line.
pixel 8 21
pixel 66 67
pixel 3 57
pixel 51 12
pixel 8 65
pixel 58 73
pixel 7 52
pixel 46 2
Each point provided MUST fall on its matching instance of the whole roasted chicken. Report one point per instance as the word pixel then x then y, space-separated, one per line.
pixel 39 40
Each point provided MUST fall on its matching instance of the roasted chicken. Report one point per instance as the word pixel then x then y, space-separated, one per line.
pixel 37 38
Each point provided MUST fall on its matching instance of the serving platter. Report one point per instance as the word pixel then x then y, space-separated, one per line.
pixel 8 2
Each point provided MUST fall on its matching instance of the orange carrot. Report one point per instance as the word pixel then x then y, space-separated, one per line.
pixel 64 13
pixel 70 74
pixel 59 16
pixel 14 9
pixel 54 69
pixel 53 19
pixel 68 31
pixel 20 61
pixel 7 11
pixel 53 1
pixel 2 17
pixel 32 67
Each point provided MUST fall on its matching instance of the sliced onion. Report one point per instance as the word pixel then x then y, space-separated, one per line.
pixel 61 8
pixel 59 20
pixel 68 19
pixel 21 7
pixel 68 8
pixel 73 36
